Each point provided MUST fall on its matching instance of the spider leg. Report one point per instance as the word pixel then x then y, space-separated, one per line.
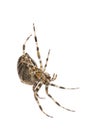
pixel 36 88
pixel 37 48
pixel 36 98
pixel 46 89
pixel 46 60
pixel 62 87
pixel 40 97
pixel 23 48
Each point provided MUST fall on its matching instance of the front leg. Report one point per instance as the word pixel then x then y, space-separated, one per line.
pixel 36 89
pixel 37 48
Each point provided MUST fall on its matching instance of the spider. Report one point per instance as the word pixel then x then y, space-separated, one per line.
pixel 29 73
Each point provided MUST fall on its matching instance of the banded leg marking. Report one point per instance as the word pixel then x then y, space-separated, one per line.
pixel 37 48
pixel 36 96
pixel 46 88
pixel 61 87
pixel 46 60
pixel 24 45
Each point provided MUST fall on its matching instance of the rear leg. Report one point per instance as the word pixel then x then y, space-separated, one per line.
pixel 61 87
pixel 37 48
pixel 46 88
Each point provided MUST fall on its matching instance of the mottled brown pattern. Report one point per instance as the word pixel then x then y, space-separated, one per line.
pixel 29 73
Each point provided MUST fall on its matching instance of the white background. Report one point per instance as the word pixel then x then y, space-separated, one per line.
pixel 72 30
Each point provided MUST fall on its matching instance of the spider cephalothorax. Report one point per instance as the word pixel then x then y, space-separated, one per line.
pixel 31 74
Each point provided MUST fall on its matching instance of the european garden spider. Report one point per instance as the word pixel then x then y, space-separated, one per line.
pixel 29 73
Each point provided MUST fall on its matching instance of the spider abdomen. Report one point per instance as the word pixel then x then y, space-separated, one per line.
pixel 26 72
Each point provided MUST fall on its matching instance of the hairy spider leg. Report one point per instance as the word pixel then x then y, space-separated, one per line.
pixel 46 89
pixel 37 48
pixel 36 98
pixel 24 45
